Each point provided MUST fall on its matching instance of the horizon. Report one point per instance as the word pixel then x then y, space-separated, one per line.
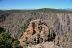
pixel 31 9
pixel 34 4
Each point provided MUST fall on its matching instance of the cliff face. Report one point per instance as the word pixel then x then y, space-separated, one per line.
pixel 54 27
pixel 37 32
pixel 34 24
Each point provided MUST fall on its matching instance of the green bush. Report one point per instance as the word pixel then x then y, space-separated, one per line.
pixel 15 44
pixel 6 41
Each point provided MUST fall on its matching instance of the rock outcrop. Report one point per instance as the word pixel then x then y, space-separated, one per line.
pixel 37 32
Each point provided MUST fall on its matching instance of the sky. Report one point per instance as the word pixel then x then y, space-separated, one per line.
pixel 35 4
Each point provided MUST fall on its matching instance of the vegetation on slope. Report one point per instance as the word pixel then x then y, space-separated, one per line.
pixel 40 10
pixel 6 41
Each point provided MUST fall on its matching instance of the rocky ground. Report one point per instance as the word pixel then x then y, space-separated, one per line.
pixel 45 45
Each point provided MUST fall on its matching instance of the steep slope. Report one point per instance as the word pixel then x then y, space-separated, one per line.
pixel 17 23
pixel 38 32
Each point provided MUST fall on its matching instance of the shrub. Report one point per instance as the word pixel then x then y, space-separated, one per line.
pixel 6 41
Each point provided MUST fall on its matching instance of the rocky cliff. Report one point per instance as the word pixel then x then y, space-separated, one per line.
pixel 37 32
pixel 43 27
pixel 54 31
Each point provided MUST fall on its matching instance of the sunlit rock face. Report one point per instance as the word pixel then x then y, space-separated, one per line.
pixel 59 23
pixel 54 27
pixel 37 32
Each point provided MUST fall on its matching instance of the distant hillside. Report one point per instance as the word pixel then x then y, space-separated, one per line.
pixel 40 10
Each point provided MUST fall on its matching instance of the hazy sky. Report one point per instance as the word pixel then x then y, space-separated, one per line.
pixel 35 4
